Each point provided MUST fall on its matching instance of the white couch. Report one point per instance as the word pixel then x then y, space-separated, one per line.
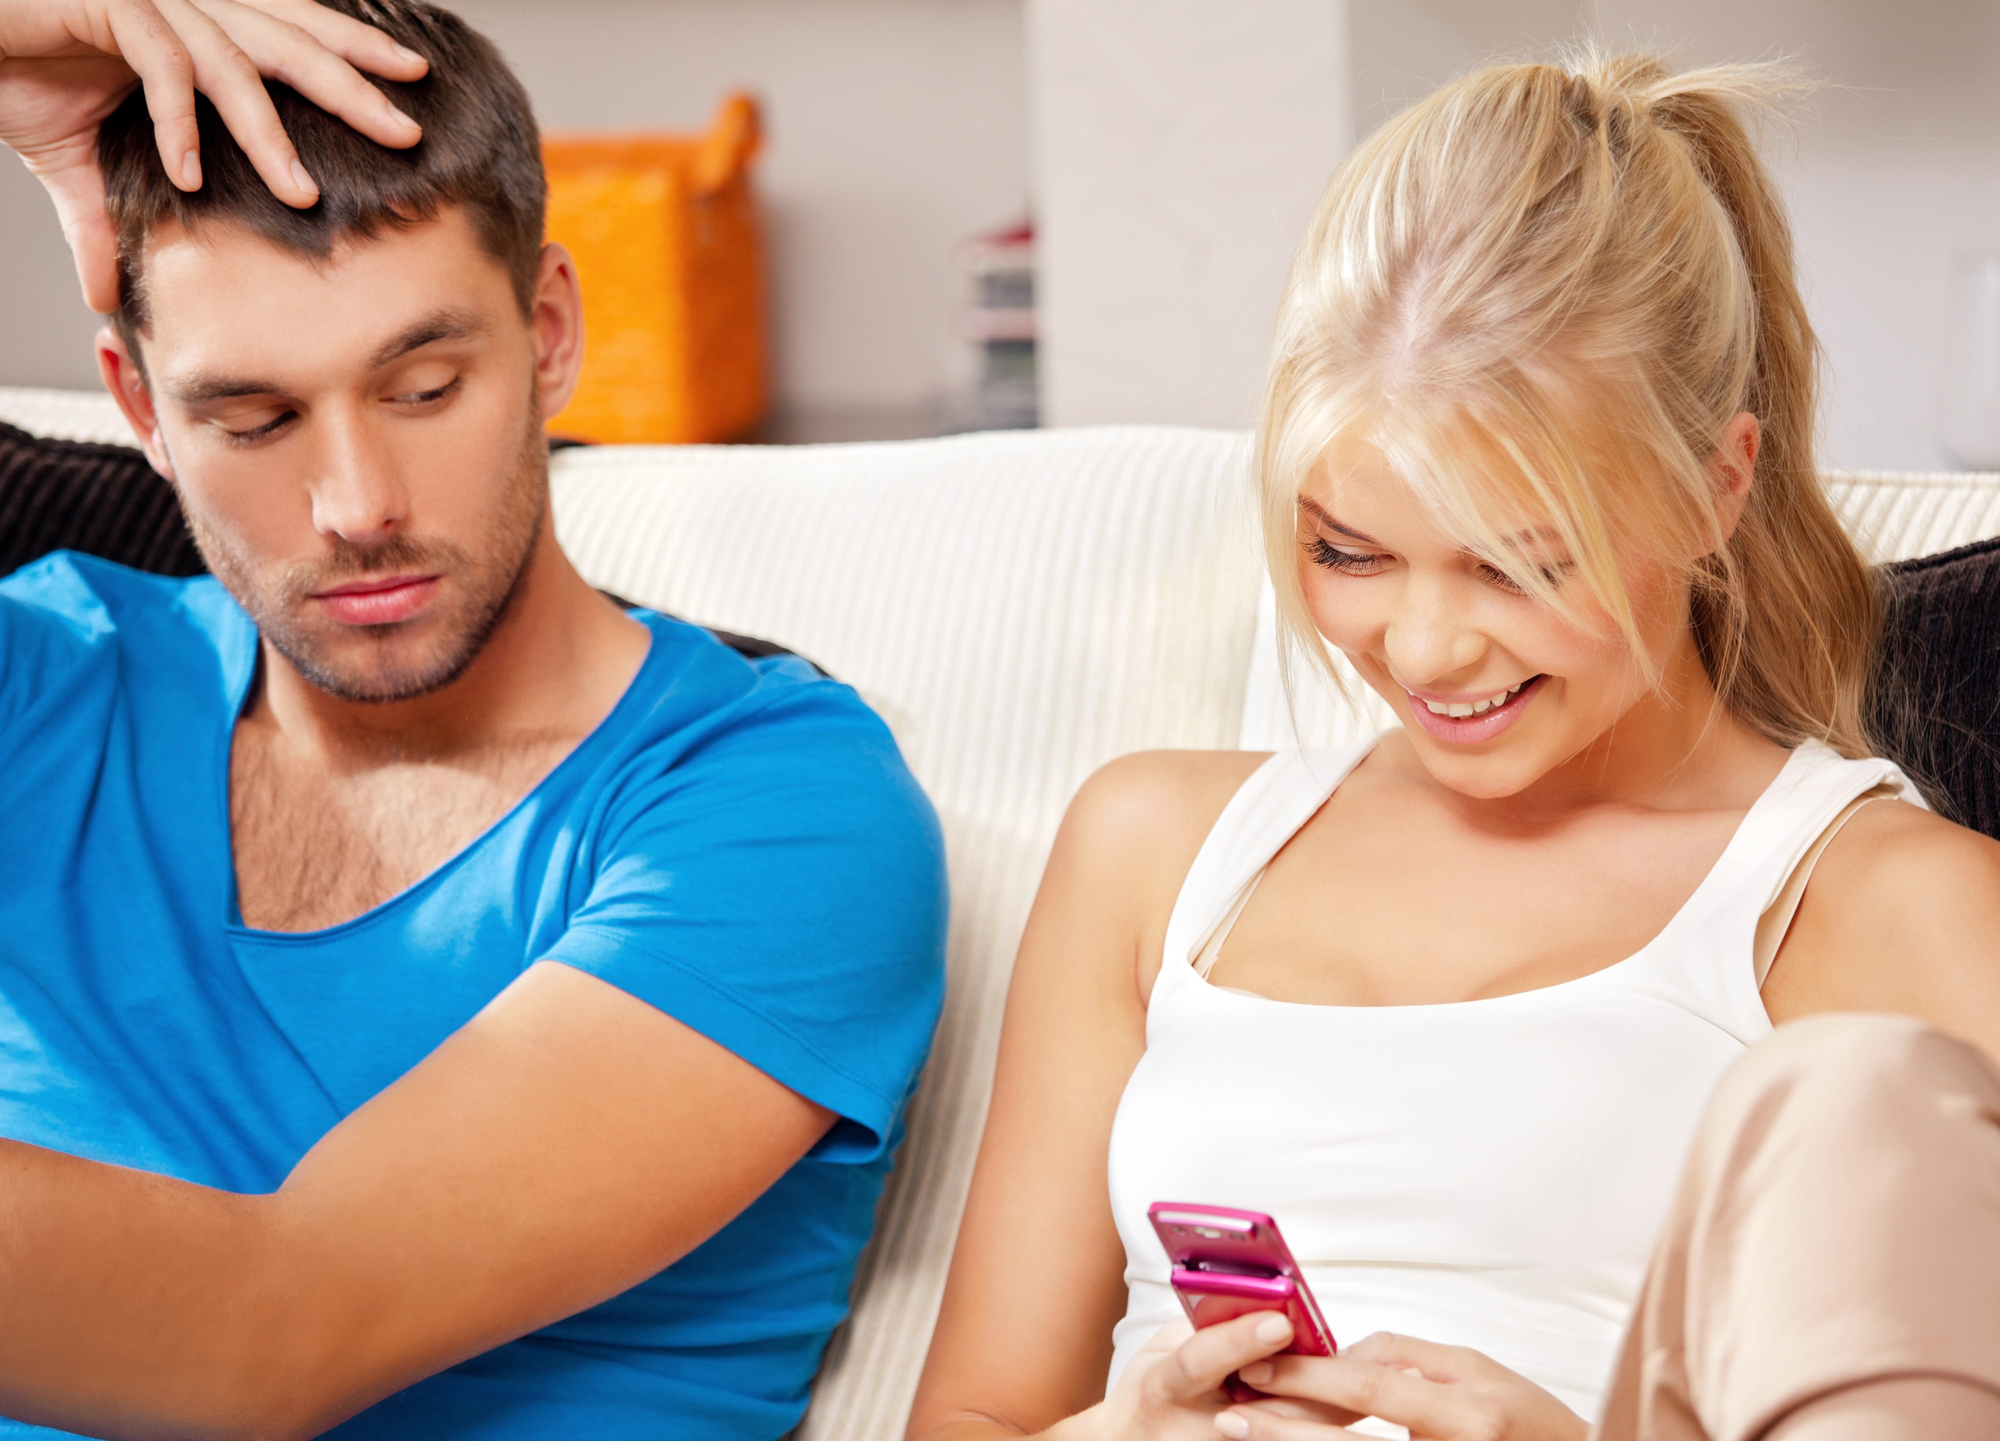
pixel 1021 608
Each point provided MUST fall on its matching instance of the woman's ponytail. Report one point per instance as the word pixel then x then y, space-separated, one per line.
pixel 1788 618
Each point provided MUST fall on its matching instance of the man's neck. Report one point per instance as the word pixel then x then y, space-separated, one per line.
pixel 336 806
pixel 556 663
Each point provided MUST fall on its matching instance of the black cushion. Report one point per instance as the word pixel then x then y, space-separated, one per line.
pixel 101 499
pixel 105 500
pixel 1935 700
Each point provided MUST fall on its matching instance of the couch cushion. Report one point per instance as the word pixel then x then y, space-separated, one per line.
pixel 1936 698
pixel 1021 608
pixel 101 499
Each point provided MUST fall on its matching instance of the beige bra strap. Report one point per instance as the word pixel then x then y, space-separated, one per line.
pixel 1776 921
pixel 1211 949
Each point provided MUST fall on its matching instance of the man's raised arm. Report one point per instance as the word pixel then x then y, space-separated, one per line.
pixel 65 65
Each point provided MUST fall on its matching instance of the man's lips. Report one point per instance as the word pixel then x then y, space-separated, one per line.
pixel 378 602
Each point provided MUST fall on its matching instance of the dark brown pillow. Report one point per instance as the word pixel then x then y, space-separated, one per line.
pixel 1935 701
pixel 104 500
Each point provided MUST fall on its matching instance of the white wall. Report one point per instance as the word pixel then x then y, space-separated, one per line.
pixel 1180 145
pixel 45 329
pixel 896 127
pixel 1893 167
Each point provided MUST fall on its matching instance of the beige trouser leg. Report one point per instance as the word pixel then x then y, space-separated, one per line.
pixel 1831 1267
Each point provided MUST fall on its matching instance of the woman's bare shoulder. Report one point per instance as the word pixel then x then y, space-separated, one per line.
pixel 1895 855
pixel 1157 805
pixel 1128 839
pixel 1902 915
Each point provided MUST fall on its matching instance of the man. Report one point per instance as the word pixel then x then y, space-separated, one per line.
pixel 429 995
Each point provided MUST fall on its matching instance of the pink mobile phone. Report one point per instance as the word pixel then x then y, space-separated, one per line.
pixel 1228 1263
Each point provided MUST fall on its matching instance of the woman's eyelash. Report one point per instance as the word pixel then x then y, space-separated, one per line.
pixel 1333 557
pixel 1554 573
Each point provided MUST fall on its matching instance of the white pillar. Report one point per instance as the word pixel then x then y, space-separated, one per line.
pixel 1179 148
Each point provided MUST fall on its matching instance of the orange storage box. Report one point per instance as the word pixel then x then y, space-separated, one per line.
pixel 668 249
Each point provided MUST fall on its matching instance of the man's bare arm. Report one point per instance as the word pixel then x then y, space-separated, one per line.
pixel 567 1143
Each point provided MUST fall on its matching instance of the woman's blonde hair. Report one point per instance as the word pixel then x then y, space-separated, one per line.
pixel 1541 295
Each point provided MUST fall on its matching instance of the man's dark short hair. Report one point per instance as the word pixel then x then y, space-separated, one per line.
pixel 480 150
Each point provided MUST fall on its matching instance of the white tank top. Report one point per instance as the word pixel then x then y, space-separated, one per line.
pixel 1487 1173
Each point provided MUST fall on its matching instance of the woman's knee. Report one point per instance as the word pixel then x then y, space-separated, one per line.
pixel 1835 1072
pixel 1897 1408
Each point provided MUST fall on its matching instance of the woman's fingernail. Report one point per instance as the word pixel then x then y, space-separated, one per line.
pixel 399 115
pixel 410 55
pixel 191 170
pixel 1273 1329
pixel 1232 1425
pixel 303 180
pixel 1257 1372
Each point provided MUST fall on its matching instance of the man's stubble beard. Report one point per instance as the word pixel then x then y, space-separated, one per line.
pixel 488 586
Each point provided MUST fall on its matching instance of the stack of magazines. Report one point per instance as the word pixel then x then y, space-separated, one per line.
pixel 999 325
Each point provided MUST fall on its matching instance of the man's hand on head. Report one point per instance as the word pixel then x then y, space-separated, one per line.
pixel 66 64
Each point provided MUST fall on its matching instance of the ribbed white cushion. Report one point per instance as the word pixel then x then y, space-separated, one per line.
pixel 66 414
pixel 1893 516
pixel 1021 608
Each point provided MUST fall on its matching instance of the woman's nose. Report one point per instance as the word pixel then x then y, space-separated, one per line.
pixel 1431 636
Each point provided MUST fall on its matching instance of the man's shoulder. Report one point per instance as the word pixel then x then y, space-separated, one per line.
pixel 92 597
pixel 70 615
pixel 711 700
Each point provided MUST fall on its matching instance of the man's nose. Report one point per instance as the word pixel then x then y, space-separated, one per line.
pixel 358 492
pixel 1431 635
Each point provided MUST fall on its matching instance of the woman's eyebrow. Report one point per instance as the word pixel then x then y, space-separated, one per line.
pixel 1319 513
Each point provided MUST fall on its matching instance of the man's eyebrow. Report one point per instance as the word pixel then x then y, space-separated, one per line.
pixel 453 323
pixel 448 324
pixel 1319 513
pixel 202 387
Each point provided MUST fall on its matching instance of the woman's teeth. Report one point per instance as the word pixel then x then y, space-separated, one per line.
pixel 1471 707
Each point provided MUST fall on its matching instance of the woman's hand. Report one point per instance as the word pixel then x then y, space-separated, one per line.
pixel 66 64
pixel 1172 1391
pixel 1441 1393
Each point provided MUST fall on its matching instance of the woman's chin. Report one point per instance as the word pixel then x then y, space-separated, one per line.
pixel 1482 777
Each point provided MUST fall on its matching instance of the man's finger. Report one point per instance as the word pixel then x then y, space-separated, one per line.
pixel 232 83
pixel 1202 1363
pixel 79 197
pixel 146 42
pixel 359 44
pixel 286 51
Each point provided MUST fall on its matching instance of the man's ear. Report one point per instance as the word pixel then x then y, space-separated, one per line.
pixel 127 384
pixel 557 319
pixel 1734 467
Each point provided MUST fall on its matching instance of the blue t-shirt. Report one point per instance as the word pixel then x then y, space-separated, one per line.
pixel 738 844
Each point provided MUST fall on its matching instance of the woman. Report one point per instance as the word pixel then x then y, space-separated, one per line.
pixel 1536 455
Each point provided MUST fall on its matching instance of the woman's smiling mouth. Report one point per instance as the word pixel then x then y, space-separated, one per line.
pixel 1467 722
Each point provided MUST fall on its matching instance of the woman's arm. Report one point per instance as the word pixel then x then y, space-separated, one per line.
pixel 1024 1339
pixel 66 64
pixel 1902 916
